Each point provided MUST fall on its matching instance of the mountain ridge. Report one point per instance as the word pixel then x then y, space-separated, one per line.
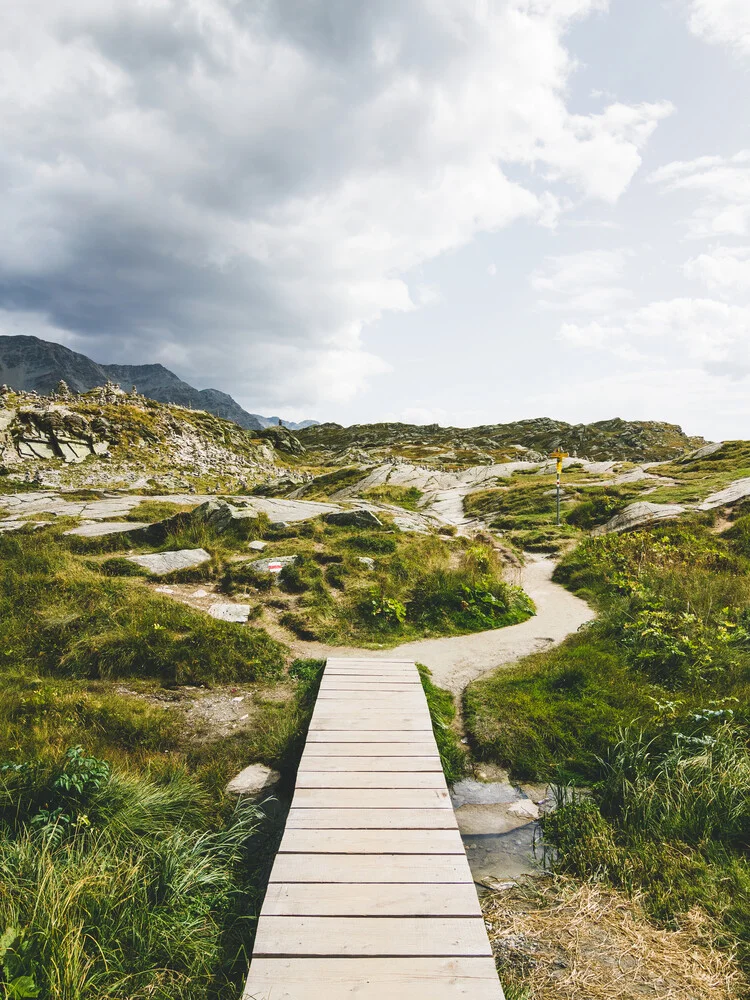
pixel 30 363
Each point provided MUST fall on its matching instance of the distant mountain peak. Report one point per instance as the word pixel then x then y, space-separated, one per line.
pixel 29 363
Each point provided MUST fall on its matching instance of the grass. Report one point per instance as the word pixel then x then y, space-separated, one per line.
pixel 156 510
pixel 442 708
pixel 86 624
pixel 120 886
pixel 650 706
pixel 402 496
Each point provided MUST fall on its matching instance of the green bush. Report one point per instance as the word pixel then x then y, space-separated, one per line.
pixel 371 544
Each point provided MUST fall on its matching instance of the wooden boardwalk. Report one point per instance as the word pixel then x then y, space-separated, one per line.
pixel 371 896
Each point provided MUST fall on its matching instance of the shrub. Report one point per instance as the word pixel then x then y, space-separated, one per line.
pixel 371 544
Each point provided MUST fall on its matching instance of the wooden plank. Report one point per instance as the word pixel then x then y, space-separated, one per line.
pixel 372 798
pixel 371 842
pixel 373 979
pixel 311 762
pixel 370 868
pixel 371 721
pixel 371 936
pixel 372 899
pixel 371 819
pixel 370 779
pixel 426 748
pixel 346 699
pixel 367 736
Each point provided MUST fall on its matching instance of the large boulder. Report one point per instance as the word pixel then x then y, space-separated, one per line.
pixel 640 514
pixel 360 518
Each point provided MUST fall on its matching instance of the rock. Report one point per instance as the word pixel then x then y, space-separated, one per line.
pixel 283 440
pixel 637 514
pixel 261 565
pixel 278 525
pixel 257 546
pixel 98 528
pixel 354 519
pixel 160 563
pixel 217 514
pixel 367 561
pixel 238 613
pixel 254 782
pixel 734 493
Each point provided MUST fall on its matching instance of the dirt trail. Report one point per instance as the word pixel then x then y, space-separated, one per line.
pixel 458 660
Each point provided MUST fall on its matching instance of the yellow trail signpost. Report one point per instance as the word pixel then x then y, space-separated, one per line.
pixel 559 455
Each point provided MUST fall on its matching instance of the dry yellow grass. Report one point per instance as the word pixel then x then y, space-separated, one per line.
pixel 558 939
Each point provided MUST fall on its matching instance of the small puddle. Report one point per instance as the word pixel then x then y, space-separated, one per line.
pixel 499 827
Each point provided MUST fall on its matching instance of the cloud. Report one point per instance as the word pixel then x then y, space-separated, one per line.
pixel 724 22
pixel 723 270
pixel 709 403
pixel 712 334
pixel 246 187
pixel 589 281
pixel 721 188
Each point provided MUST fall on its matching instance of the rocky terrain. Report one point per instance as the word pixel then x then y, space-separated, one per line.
pixel 31 364
pixel 530 440
pixel 110 438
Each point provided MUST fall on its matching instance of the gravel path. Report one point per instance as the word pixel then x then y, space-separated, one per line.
pixel 458 660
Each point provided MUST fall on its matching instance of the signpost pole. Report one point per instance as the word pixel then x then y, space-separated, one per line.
pixel 559 456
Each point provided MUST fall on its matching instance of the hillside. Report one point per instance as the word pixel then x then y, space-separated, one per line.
pixel 616 439
pixel 30 364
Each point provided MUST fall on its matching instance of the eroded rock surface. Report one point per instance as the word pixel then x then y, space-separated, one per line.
pixel 161 563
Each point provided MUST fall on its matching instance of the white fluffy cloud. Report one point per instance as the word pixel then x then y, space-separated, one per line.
pixel 719 191
pixel 244 187
pixel 724 270
pixel 589 281
pixel 712 334
pixel 725 22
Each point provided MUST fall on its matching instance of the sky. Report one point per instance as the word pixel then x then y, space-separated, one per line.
pixel 451 211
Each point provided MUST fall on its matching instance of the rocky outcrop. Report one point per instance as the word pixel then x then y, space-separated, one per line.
pixel 283 440
pixel 51 432
pixel 354 519
pixel 532 440
pixel 639 515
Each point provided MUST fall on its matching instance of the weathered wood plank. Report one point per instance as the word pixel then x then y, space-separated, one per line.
pixel 372 798
pixel 372 936
pixel 373 979
pixel 426 748
pixel 367 736
pixel 371 899
pixel 371 842
pixel 370 779
pixel 370 868
pixel 371 819
pixel 371 894
pixel 312 762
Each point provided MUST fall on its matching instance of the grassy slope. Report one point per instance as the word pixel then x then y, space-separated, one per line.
pixel 651 705
pixel 148 881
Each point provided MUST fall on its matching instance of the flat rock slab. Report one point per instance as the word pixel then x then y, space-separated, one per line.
pixel 257 546
pixel 160 563
pixel 238 613
pixel 106 528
